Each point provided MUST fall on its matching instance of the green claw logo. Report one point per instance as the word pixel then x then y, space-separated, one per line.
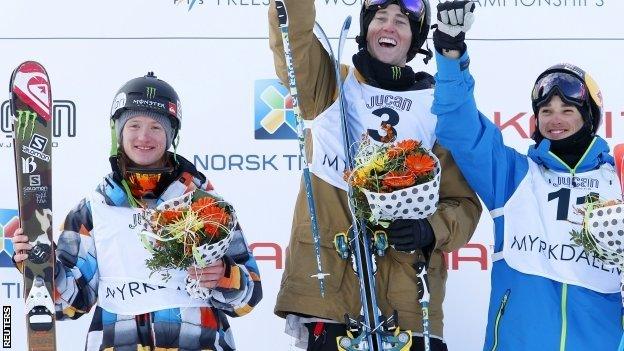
pixel 150 92
pixel 25 121
pixel 396 72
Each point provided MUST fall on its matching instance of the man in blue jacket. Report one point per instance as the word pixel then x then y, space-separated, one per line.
pixel 547 294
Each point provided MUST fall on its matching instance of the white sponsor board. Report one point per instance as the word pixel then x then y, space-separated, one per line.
pixel 213 54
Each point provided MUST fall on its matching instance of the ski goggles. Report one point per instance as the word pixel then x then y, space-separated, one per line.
pixel 414 7
pixel 570 88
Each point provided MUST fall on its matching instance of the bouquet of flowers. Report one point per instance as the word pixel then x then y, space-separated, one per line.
pixel 602 230
pixel 395 181
pixel 195 228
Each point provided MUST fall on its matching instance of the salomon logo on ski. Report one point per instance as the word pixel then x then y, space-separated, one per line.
pixel 31 106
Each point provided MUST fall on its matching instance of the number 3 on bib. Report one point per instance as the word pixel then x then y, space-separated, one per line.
pixel 390 134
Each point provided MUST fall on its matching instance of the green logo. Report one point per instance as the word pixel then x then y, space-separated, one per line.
pixel 150 92
pixel 396 72
pixel 25 121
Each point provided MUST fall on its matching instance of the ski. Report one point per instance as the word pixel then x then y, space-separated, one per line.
pixel 31 106
pixel 282 16
pixel 371 331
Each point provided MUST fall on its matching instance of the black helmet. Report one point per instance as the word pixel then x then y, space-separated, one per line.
pixel 418 12
pixel 149 93
pixel 574 86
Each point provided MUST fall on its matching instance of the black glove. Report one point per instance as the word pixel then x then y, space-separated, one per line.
pixel 454 20
pixel 410 234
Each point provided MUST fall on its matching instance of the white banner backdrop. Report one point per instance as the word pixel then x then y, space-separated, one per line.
pixel 215 53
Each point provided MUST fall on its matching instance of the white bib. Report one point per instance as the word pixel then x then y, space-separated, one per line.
pixel 125 285
pixel 407 112
pixel 537 226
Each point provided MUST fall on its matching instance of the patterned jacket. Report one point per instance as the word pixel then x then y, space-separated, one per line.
pixel 198 328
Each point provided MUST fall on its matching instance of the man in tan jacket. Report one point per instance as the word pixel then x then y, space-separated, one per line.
pixel 376 99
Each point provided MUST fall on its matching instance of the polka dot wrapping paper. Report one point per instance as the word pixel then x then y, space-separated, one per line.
pixel 416 202
pixel 606 226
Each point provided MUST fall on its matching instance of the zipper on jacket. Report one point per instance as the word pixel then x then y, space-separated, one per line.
pixel 564 316
pixel 572 171
pixel 501 311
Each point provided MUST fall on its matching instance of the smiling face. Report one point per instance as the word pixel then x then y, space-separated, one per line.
pixel 558 120
pixel 144 141
pixel 389 36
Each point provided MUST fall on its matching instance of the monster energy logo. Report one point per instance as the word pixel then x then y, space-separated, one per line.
pixel 25 121
pixel 396 72
pixel 150 92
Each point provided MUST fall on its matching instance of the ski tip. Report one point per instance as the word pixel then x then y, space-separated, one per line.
pixel 282 15
pixel 347 23
pixel 31 66
pixel 30 84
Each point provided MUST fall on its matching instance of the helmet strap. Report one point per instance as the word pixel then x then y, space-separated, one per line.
pixel 131 199
pixel 426 52
pixel 114 142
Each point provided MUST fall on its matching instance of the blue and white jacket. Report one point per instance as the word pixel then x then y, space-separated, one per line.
pixel 547 294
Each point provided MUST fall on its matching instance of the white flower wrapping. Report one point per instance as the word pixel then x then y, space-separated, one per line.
pixel 416 202
pixel 206 255
pixel 606 226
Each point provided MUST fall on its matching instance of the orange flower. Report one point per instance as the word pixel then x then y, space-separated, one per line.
pixel 346 175
pixel 403 147
pixel 214 217
pixel 170 216
pixel 419 164
pixel 358 182
pixel 394 152
pixel 408 145
pixel 201 204
pixel 355 179
pixel 399 179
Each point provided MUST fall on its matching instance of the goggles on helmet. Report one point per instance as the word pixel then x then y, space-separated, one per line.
pixel 415 8
pixel 570 88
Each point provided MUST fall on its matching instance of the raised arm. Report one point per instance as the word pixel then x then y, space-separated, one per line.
pixel 492 169
pixel 313 68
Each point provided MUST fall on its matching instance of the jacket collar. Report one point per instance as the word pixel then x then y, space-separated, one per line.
pixel 596 155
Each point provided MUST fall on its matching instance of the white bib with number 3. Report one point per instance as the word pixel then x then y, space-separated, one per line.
pixel 374 112
pixel 539 218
